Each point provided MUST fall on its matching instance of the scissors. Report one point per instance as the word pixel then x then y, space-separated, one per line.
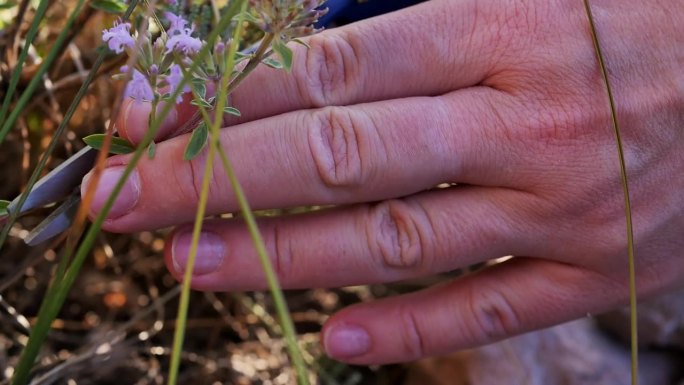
pixel 62 183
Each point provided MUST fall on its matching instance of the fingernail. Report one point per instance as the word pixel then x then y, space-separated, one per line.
pixel 210 252
pixel 127 198
pixel 346 341
pixel 136 115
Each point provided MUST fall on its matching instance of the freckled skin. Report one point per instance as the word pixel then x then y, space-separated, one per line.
pixel 503 98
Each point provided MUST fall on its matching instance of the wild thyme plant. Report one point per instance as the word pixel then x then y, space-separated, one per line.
pixel 165 56
pixel 161 74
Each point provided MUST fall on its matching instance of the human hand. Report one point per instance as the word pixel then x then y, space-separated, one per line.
pixel 503 98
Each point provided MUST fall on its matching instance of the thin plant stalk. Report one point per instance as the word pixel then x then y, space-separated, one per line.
pixel 16 73
pixel 271 278
pixel 50 309
pixel 628 206
pixel 25 97
pixel 184 301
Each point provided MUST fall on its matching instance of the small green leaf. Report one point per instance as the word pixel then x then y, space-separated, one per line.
pixel 118 146
pixel 151 150
pixel 247 16
pixel 232 111
pixel 109 6
pixel 3 208
pixel 201 102
pixel 200 88
pixel 301 42
pixel 284 53
pixel 8 5
pixel 241 57
pixel 273 63
pixel 197 142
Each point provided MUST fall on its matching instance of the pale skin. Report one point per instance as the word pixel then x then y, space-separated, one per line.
pixel 505 99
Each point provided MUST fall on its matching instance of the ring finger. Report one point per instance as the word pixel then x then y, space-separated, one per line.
pixel 427 233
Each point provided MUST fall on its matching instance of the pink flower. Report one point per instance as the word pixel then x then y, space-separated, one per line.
pixel 118 37
pixel 183 43
pixel 139 88
pixel 174 79
pixel 178 23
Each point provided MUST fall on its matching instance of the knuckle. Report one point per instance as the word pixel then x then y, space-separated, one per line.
pixel 397 235
pixel 326 73
pixel 196 168
pixel 413 335
pixel 282 254
pixel 493 316
pixel 567 120
pixel 335 145
pixel 187 176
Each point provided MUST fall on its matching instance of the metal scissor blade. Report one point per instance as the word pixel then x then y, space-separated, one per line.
pixel 59 182
pixel 56 223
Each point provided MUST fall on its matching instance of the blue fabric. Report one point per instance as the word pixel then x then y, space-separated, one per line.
pixel 348 11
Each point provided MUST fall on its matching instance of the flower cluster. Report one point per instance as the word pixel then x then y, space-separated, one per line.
pixel 160 59
pixel 163 54
pixel 288 19
pixel 119 37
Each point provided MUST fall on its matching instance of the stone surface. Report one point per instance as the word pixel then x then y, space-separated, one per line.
pixel 575 353
pixel 660 320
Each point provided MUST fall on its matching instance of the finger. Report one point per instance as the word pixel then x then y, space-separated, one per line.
pixel 428 49
pixel 335 155
pixel 509 299
pixel 132 122
pixel 398 239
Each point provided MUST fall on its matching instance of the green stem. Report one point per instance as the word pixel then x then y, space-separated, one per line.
pixel 259 54
pixel 179 333
pixel 16 72
pixel 274 286
pixel 184 302
pixel 38 76
pixel 628 206
pixel 271 278
pixel 252 63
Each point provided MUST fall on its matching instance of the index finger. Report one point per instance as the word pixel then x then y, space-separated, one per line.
pixel 425 50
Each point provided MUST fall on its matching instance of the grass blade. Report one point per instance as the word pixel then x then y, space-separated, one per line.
pixel 25 97
pixel 628 206
pixel 16 73
pixel 273 284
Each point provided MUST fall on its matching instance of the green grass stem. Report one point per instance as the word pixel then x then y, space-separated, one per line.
pixel 184 302
pixel 287 326
pixel 271 278
pixel 18 68
pixel 25 97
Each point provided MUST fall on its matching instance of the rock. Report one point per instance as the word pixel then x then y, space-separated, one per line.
pixel 661 322
pixel 575 353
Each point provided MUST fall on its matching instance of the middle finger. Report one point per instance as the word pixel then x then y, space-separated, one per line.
pixel 334 155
